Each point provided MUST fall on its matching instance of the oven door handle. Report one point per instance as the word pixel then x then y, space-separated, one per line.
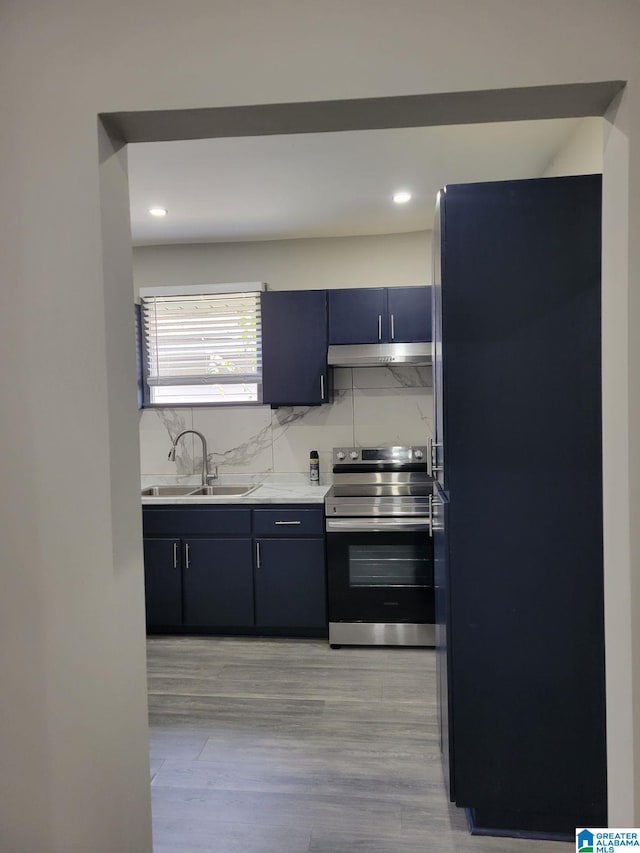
pixel 386 525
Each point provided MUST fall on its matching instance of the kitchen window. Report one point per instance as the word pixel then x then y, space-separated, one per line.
pixel 202 345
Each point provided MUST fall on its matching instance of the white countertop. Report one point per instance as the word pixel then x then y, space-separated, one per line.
pixel 271 489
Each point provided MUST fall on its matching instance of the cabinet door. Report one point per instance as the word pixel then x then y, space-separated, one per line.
pixel 218 582
pixel 409 314
pixel 294 347
pixel 290 583
pixel 358 316
pixel 163 583
pixel 526 628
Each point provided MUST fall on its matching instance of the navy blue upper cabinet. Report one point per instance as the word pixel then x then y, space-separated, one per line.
pixel 379 315
pixel 409 312
pixel 357 315
pixel 294 347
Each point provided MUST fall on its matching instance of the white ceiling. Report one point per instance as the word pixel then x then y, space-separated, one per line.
pixel 322 184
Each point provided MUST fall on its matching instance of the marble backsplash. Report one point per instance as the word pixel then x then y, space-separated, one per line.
pixel 373 406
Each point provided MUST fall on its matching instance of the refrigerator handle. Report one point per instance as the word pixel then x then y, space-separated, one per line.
pixel 435 502
pixel 434 456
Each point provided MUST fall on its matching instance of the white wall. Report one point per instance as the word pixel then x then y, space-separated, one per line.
pixel 582 152
pixel 319 263
pixel 71 611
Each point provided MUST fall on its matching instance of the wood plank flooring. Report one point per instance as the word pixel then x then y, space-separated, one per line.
pixel 278 746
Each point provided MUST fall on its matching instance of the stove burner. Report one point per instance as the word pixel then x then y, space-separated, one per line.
pixel 379 481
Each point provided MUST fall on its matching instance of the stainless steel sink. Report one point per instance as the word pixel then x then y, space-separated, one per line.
pixel 211 491
pixel 167 491
pixel 195 491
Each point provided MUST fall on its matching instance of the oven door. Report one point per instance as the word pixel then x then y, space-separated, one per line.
pixel 380 570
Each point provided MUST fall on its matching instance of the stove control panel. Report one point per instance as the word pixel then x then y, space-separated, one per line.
pixel 392 456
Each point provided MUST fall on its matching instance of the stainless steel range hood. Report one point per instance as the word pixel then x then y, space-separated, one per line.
pixel 374 355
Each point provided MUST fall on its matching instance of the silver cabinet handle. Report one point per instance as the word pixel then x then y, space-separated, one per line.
pixel 322 386
pixel 288 522
pixel 257 555
pixel 379 327
pixel 393 330
pixel 187 561
pixel 431 516
pixel 175 555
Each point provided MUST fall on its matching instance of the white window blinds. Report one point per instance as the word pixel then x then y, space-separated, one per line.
pixel 202 339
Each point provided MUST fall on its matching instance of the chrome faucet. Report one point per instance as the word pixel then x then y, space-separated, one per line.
pixel 206 476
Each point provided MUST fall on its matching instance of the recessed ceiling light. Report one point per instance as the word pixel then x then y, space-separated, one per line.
pixel 158 211
pixel 402 197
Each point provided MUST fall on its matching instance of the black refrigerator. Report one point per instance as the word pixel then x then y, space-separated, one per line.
pixel 517 462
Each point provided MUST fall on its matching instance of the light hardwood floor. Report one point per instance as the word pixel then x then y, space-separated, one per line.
pixel 278 746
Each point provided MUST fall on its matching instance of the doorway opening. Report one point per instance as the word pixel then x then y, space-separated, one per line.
pixel 339 116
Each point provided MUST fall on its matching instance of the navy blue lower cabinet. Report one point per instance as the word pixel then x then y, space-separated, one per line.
pixel 162 583
pixel 290 583
pixel 214 575
pixel 218 582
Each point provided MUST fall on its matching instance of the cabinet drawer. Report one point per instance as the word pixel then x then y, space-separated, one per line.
pixel 195 520
pixel 288 522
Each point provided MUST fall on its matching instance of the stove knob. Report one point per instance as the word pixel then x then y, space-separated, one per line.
pixel 418 454
pixel 354 454
pixel 340 455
